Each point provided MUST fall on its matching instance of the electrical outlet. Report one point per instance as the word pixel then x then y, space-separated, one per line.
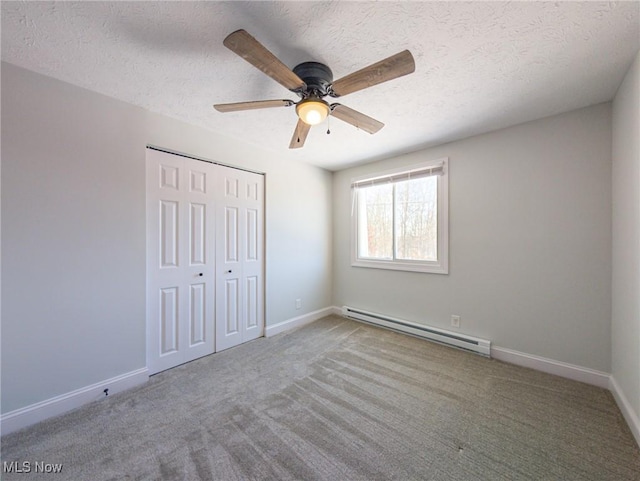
pixel 298 303
pixel 455 321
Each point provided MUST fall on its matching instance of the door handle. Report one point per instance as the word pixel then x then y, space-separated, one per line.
pixel 229 271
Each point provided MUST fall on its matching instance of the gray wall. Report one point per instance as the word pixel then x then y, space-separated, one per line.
pixel 626 237
pixel 530 241
pixel 73 232
pixel 530 237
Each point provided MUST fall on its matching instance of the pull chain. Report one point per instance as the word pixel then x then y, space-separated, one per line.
pixel 328 124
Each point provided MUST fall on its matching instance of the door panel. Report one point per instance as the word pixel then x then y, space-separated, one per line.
pixel 252 302
pixel 198 181
pixel 231 308
pixel 180 282
pixel 169 176
pixel 197 222
pixel 240 204
pixel 169 233
pixel 197 314
pixel 252 235
pixel 169 320
pixel 231 186
pixel 230 235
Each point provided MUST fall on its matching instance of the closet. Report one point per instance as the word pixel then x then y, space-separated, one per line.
pixel 205 258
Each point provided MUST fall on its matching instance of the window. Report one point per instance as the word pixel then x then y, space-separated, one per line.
pixel 400 219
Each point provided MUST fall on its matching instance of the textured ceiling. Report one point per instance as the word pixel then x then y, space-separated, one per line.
pixel 480 66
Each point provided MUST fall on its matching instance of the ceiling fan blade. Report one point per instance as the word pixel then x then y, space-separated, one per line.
pixel 300 135
pixel 244 45
pixel 257 104
pixel 388 69
pixel 355 118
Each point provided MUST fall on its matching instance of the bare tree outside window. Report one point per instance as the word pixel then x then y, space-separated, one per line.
pixel 375 217
pixel 412 206
pixel 417 219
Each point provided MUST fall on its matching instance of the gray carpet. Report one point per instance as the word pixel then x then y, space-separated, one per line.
pixel 340 400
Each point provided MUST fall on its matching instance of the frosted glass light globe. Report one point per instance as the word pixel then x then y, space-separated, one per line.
pixel 312 111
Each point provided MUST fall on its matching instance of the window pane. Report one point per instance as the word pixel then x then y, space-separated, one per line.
pixel 375 222
pixel 417 219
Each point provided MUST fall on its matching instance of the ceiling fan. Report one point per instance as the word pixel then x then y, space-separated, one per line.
pixel 312 81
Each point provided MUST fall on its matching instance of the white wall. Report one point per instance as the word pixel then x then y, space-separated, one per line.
pixel 626 240
pixel 530 241
pixel 73 232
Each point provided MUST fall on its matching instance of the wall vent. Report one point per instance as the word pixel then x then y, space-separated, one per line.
pixel 441 336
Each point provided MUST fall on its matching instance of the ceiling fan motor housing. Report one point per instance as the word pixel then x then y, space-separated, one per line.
pixel 317 76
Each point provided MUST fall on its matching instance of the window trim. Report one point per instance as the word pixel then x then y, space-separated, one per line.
pixel 441 265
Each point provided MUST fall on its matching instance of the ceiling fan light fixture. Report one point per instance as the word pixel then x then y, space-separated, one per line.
pixel 312 111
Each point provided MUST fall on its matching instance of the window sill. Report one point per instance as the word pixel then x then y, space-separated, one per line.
pixel 424 267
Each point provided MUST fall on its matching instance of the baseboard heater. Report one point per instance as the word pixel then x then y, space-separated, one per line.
pixel 461 341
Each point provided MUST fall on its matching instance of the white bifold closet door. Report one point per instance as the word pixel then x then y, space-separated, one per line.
pixel 203 220
pixel 239 252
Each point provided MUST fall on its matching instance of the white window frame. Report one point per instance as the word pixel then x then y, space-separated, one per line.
pixel 439 266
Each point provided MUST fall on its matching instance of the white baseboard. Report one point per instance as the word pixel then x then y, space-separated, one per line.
pixel 23 417
pixel 300 320
pixel 627 410
pixel 550 366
